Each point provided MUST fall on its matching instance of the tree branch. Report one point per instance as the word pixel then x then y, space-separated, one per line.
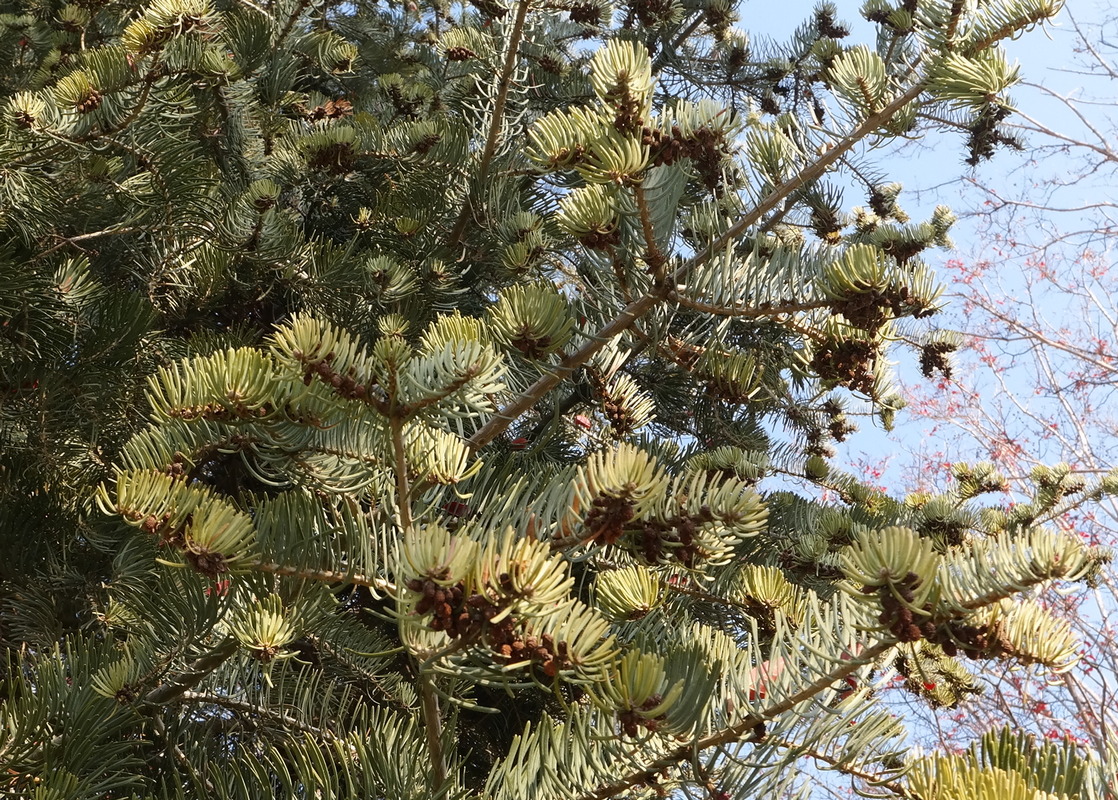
pixel 432 723
pixel 193 675
pixel 642 305
pixel 495 124
pixel 735 733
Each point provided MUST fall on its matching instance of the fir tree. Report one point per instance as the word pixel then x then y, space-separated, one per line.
pixel 412 401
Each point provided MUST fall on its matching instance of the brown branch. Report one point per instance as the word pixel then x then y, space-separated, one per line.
pixel 160 729
pixel 1006 31
pixel 641 306
pixel 400 465
pixel 141 101
pixel 386 696
pixel 295 14
pixel 495 124
pixel 322 575
pixel 432 717
pixel 669 48
pixel 432 723
pixel 410 411
pixel 710 598
pixel 653 255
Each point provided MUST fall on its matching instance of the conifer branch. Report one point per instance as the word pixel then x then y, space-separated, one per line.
pixel 160 728
pixel 638 308
pixel 261 462
pixel 412 409
pixel 653 256
pixel 671 47
pixel 386 696
pixel 84 237
pixel 809 174
pixel 141 101
pixel 707 597
pixel 736 732
pixel 954 18
pixel 400 466
pixel 253 6
pixel 291 20
pixel 495 124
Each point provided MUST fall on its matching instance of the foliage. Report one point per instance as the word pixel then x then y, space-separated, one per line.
pixel 417 401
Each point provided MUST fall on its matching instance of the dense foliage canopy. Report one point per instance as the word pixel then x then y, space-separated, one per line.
pixel 414 400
